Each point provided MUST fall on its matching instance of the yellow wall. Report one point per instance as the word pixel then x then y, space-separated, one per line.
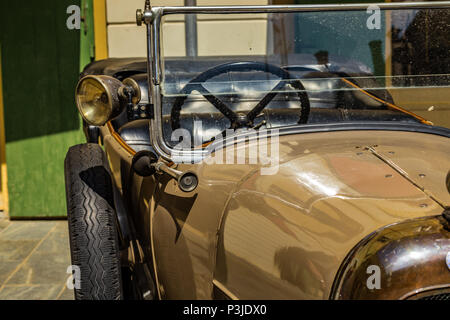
pixel 100 34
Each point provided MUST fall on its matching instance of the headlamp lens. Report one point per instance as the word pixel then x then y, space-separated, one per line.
pixel 93 101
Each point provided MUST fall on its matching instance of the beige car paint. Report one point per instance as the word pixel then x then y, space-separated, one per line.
pixel 283 236
pixel 295 229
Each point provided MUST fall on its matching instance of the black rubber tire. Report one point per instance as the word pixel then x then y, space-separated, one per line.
pixel 93 233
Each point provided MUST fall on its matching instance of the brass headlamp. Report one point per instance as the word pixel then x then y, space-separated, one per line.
pixel 98 99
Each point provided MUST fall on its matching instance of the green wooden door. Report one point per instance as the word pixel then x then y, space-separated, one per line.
pixel 40 59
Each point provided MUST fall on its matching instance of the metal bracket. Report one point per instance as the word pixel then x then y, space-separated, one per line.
pixel 187 181
pixel 145 16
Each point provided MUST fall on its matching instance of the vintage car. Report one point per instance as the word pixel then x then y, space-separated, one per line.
pixel 281 168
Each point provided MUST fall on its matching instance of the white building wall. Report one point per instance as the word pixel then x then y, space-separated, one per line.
pixel 224 36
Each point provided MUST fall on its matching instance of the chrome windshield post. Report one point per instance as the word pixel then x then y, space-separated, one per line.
pixel 151 18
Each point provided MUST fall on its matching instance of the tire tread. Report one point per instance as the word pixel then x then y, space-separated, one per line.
pixel 92 224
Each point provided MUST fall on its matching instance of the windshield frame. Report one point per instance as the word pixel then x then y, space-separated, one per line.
pixel 152 17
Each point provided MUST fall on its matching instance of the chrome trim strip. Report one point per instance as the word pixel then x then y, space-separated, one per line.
pixel 300 8
pixel 426 292
pixel 224 290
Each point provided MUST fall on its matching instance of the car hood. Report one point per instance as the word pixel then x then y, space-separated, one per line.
pixel 330 191
pixel 356 165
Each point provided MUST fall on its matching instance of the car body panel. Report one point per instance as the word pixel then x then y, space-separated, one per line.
pixel 426 169
pixel 281 236
pixel 294 229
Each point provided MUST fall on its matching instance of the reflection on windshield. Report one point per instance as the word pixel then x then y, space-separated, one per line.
pixel 269 70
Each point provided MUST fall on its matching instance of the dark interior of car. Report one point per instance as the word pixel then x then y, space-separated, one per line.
pixel 329 99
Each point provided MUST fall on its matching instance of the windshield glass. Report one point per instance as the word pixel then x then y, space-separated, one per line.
pixel 282 69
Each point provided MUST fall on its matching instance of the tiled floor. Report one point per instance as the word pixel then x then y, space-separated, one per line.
pixel 34 257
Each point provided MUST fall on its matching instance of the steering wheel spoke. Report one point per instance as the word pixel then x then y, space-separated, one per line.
pixel 265 101
pixel 241 120
pixel 216 102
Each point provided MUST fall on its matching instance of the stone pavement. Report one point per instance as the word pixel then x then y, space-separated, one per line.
pixel 34 256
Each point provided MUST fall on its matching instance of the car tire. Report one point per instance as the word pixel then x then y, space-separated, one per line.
pixel 93 230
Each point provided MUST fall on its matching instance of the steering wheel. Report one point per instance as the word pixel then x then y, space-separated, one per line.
pixel 239 120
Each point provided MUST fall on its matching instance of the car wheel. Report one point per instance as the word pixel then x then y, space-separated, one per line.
pixel 93 231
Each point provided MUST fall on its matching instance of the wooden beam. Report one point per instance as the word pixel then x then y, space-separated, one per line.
pixel 100 34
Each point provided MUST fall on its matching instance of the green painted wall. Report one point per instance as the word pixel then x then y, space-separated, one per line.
pixel 41 62
pixel 87 49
